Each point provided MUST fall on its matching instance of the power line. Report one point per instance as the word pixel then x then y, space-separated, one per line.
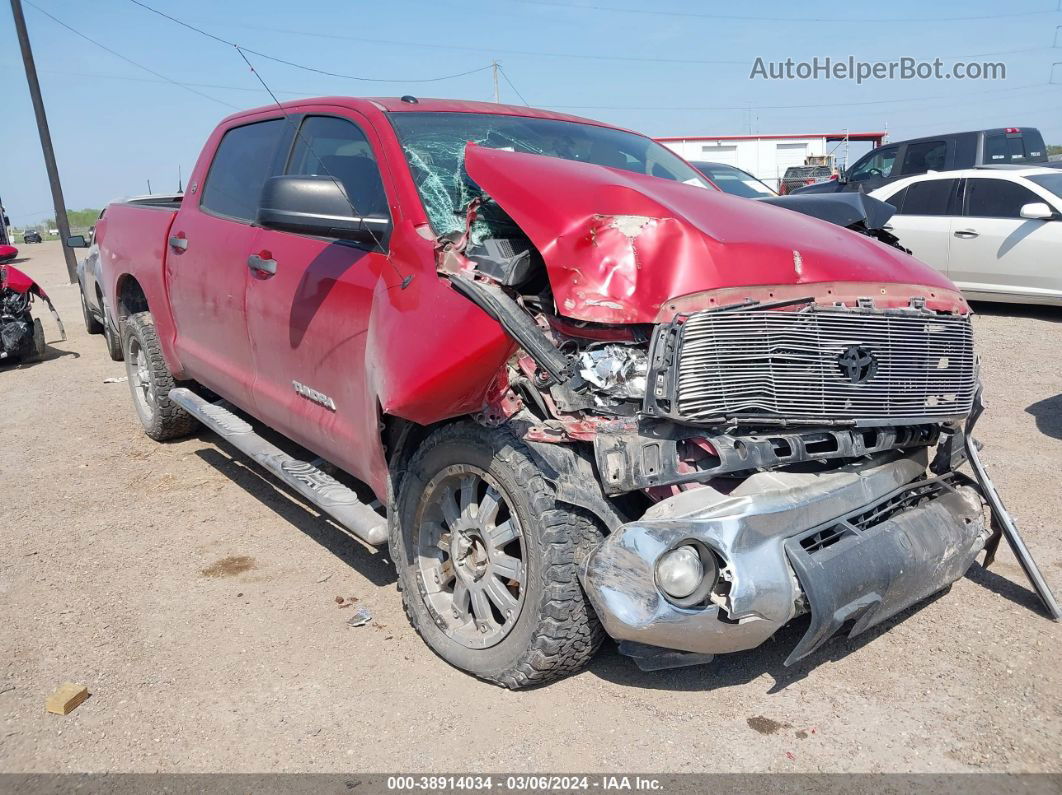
pixel 489 50
pixel 759 18
pixel 129 60
pixel 303 66
pixel 514 88
pixel 298 136
pixel 780 107
pixel 378 42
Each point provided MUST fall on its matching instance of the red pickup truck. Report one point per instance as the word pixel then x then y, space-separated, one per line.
pixel 592 393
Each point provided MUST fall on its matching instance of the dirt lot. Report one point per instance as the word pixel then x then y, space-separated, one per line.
pixel 198 604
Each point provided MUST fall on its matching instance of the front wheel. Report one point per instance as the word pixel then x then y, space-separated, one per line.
pixel 488 559
pixel 150 381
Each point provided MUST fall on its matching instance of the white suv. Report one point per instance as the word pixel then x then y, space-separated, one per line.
pixel 995 231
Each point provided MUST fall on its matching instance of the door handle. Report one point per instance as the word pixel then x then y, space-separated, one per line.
pixel 178 243
pixel 965 233
pixel 887 227
pixel 266 267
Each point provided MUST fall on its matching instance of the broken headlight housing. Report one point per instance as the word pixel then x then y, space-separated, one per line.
pixel 618 371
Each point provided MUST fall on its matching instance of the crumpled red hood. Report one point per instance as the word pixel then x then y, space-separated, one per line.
pixel 619 245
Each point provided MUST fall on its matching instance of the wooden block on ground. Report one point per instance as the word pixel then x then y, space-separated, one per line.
pixel 66 698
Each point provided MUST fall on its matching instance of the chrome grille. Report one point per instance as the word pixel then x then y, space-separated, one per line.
pixel 787 364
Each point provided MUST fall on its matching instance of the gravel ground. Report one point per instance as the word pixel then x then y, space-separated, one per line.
pixel 198 604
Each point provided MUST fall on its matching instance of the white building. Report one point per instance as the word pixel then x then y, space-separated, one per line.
pixel 767 157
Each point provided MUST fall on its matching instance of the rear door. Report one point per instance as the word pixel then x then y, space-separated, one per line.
pixel 206 262
pixel 924 211
pixel 995 253
pixel 309 320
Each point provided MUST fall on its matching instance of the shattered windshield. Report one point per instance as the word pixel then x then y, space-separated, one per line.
pixel 434 145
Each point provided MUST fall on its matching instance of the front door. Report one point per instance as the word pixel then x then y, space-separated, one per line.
pixel 308 319
pixel 996 252
pixel 206 262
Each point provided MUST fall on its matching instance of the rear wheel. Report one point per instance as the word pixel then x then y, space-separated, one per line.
pixel 488 560
pixel 92 326
pixel 150 382
pixel 113 339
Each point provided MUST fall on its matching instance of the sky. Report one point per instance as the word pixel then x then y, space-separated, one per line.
pixel 663 68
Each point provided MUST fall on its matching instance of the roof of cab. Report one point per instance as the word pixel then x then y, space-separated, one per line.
pixel 423 105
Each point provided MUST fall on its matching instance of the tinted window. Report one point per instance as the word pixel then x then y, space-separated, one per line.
pixel 997 198
pixel 930 197
pixel 879 164
pixel 242 164
pixel 896 200
pixel 1024 147
pixel 923 157
pixel 1052 182
pixel 328 146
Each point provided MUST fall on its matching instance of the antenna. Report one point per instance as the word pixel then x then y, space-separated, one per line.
pixel 149 186
pixel 180 182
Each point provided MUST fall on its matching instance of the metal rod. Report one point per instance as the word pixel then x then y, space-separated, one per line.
pixel 1010 532
pixel 46 139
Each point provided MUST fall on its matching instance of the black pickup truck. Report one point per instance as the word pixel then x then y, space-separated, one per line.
pixel 1000 146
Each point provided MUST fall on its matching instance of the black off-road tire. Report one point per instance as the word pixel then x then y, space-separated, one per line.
pixel 161 417
pixel 557 631
pixel 92 326
pixel 40 347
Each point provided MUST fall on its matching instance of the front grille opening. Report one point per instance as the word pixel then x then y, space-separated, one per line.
pixel 827 537
pixel 870 439
pixel 901 502
pixel 782 448
pixel 826 444
pixel 858 523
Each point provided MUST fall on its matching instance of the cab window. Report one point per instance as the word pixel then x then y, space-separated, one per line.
pixel 879 164
pixel 242 163
pixel 329 146
pixel 926 156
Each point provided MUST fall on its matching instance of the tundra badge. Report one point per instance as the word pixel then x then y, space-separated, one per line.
pixel 317 397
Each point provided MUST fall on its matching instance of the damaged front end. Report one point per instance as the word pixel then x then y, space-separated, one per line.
pixel 748 400
pixel 22 335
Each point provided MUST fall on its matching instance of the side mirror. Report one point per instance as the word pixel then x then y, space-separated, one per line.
pixel 79 241
pixel 315 206
pixel 1037 211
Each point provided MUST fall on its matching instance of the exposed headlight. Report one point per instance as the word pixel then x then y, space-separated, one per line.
pixel 680 572
pixel 616 370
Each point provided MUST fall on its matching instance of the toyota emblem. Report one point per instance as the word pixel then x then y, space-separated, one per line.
pixel 857 364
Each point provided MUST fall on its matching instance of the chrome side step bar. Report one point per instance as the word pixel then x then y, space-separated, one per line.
pixel 318 487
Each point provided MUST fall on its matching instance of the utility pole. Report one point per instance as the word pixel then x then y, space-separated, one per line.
pixel 494 71
pixel 46 139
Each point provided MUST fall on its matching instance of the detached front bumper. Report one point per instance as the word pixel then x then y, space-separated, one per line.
pixel 859 543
